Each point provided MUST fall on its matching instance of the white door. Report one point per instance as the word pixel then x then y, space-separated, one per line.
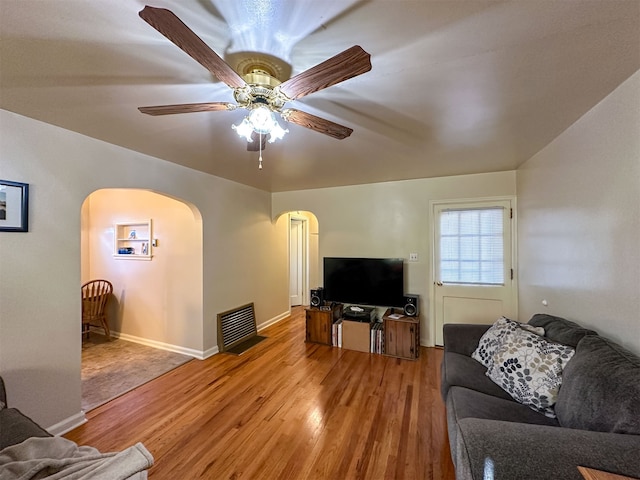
pixel 473 263
pixel 297 261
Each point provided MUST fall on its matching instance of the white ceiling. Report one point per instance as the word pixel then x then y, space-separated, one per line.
pixel 457 86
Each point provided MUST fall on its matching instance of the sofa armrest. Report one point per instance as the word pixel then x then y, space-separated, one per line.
pixel 3 393
pixel 15 427
pixel 507 450
pixel 462 338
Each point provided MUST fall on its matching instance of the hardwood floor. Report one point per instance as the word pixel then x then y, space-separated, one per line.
pixel 285 410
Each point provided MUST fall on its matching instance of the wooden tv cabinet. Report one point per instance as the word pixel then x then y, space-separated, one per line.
pixel 401 335
pixel 319 322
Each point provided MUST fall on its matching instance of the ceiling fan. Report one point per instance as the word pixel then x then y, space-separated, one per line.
pixel 258 90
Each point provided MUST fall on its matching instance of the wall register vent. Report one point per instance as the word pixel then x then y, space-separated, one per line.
pixel 236 326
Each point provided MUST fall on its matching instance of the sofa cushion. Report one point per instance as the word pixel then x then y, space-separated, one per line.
pixel 464 371
pixel 529 368
pixel 490 449
pixel 462 337
pixel 492 339
pixel 601 388
pixel 560 330
pixel 465 403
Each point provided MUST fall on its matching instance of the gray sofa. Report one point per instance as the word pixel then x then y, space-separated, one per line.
pixel 15 427
pixel 597 422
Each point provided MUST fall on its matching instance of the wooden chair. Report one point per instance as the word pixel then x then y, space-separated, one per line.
pixel 95 295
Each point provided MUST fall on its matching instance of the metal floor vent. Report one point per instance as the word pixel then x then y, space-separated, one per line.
pixel 236 326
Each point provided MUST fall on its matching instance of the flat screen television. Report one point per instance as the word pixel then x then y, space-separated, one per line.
pixel 364 281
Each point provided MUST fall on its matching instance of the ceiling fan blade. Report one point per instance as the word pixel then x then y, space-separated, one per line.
pixel 187 108
pixel 348 64
pixel 166 22
pixel 316 123
pixel 255 145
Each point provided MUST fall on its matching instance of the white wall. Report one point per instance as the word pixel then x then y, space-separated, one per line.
pixel 389 219
pixel 158 301
pixel 244 255
pixel 579 221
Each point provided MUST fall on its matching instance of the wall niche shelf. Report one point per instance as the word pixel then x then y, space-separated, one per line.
pixel 132 240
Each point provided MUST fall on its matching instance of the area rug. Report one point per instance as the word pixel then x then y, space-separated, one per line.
pixel 111 368
pixel 246 345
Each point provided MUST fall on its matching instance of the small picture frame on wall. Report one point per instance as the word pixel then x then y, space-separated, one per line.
pixel 14 206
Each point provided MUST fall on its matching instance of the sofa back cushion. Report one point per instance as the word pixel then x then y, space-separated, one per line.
pixel 560 330
pixel 601 388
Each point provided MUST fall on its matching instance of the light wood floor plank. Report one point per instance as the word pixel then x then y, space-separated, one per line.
pixel 285 410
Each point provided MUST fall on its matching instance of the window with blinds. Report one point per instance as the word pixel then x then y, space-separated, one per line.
pixel 472 246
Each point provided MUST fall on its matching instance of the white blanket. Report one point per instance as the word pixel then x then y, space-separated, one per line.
pixel 56 458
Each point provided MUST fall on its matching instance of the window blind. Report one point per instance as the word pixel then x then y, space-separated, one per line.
pixel 472 246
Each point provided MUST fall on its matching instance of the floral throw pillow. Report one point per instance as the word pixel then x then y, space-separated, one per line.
pixel 529 368
pixel 492 339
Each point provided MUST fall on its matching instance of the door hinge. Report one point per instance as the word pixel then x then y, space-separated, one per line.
pixel 512 274
pixel 511 213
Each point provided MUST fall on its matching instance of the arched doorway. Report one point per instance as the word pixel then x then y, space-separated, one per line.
pixel 157 303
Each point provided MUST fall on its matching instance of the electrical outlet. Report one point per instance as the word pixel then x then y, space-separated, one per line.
pixel 413 257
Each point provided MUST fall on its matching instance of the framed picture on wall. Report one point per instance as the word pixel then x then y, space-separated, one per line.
pixel 14 206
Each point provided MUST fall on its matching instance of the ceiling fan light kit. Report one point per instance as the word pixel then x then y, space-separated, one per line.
pixel 262 121
pixel 262 100
pixel 258 88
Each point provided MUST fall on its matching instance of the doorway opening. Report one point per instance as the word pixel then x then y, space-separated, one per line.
pixel 298 260
pixel 303 263
pixel 155 313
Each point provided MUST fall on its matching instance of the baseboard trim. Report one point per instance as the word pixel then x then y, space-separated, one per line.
pixel 210 352
pixel 199 354
pixel 67 424
pixel 424 342
pixel 274 320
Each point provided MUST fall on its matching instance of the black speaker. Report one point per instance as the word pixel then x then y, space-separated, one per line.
pixel 317 297
pixel 411 305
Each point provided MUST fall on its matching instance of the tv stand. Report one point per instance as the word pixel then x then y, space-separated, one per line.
pixel 401 333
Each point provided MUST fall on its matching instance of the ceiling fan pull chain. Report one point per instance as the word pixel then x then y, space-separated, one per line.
pixel 260 159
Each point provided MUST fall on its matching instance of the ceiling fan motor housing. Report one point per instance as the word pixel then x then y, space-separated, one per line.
pixel 253 94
